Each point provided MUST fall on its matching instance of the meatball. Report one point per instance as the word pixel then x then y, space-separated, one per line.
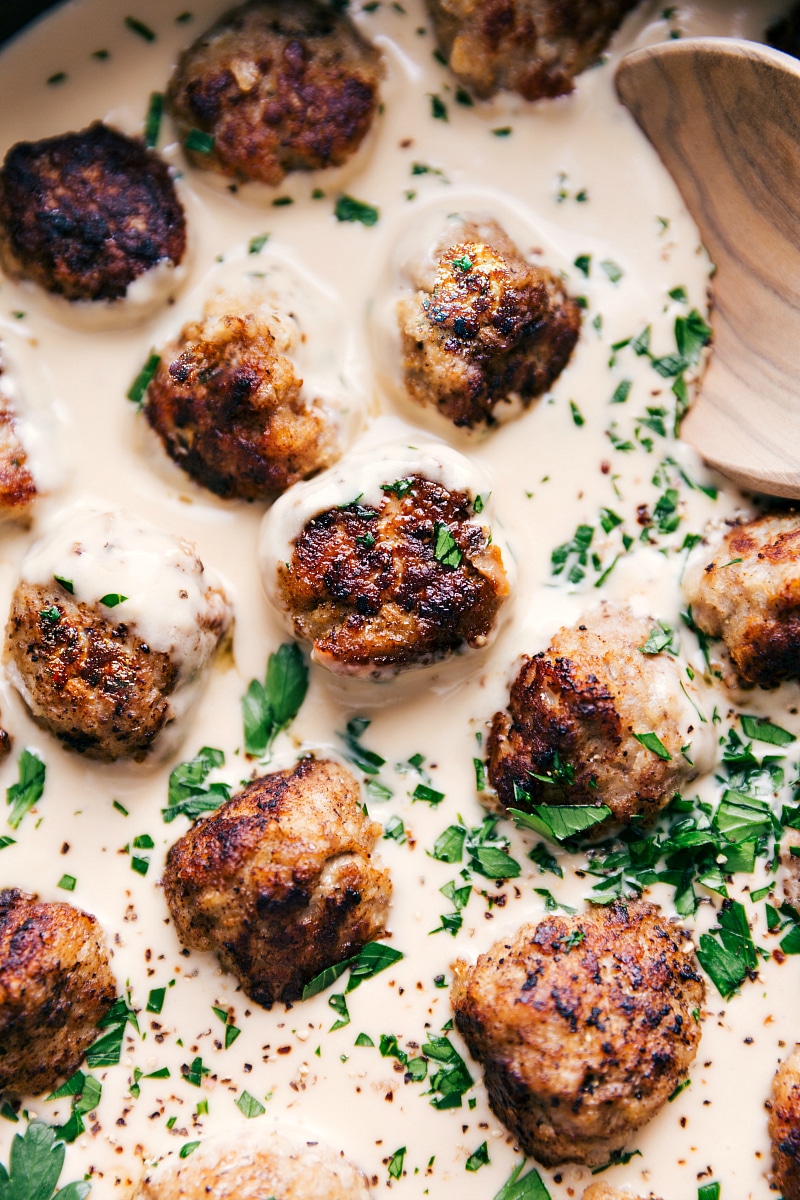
pixel 784 34
pixel 55 985
pixel 534 47
pixel 85 214
pixel 251 1166
pixel 790 861
pixel 107 672
pixel 401 582
pixel 577 712
pixel 18 488
pixel 229 408
pixel 485 328
pixel 743 585
pixel 784 1127
pixel 601 1191
pixel 280 881
pixel 280 86
pixel 584 1026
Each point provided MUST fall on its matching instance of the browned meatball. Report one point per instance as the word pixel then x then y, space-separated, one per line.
pixel 485 328
pixel 17 486
pixel 227 404
pixel 534 47
pixel 584 1027
pixel 569 735
pixel 253 1166
pixel 280 85
pixel 380 589
pixel 601 1191
pixel 55 985
pixel 784 1127
pixel 90 680
pixel 85 214
pixel 743 585
pixel 280 881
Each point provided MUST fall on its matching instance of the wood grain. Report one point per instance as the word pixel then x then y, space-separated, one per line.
pixel 724 115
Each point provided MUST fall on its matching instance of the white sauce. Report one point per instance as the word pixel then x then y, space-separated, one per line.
pixel 547 476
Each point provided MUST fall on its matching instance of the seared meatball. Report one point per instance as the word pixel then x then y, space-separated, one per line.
pixel 107 673
pixel 584 1026
pixel 280 881
pixel 569 735
pixel 784 34
pixel 534 47
pixel 85 214
pixel 484 328
pixel 601 1191
pixel 401 583
pixel 743 585
pixel 784 1127
pixel 55 985
pixel 228 406
pixel 280 85
pixel 253 1166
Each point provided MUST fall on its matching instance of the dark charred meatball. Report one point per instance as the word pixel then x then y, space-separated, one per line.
pixel 784 1127
pixel 584 1026
pixel 743 585
pixel 280 881
pixel 252 1166
pixel 85 214
pixel 784 34
pixel 408 581
pixel 534 47
pixel 280 85
pixel 88 679
pixel 55 985
pixel 576 716
pixel 228 406
pixel 485 328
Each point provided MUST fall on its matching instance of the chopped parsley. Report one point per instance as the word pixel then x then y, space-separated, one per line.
pixel 523 1187
pixel 142 381
pixel 187 792
pixel 269 707
pixel 28 790
pixel 445 549
pixel 112 599
pixel 349 209
pixel 478 1159
pixel 366 760
pixel 106 1050
pixel 728 954
pixel 661 640
pixel 438 107
pixel 67 883
pixel 373 958
pixel 450 1078
pixel 199 141
pixel 139 28
pixel 35 1163
pixel 257 244
pixel 651 741
pixel 558 823
pixel 573 554
pixel 395 1164
pixel 152 123
pixel 231 1031
pixel 250 1107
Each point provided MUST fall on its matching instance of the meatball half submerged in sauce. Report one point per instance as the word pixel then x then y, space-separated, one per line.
pixel 276 86
pixel 485 331
pixel 229 406
pixel 254 1166
pixel 534 47
pixel 584 1027
pixel 743 585
pixel 86 215
pixel 281 881
pixel 55 985
pixel 387 562
pixel 784 1127
pixel 605 716
pixel 111 626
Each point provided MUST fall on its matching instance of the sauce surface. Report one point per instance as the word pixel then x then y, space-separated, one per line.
pixel 573 182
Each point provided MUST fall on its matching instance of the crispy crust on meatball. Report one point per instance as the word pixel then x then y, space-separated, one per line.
pixel 85 214
pixel 584 1026
pixel 228 408
pixel 743 585
pixel 784 1127
pixel 534 47
pixel 280 881
pixel 573 714
pixel 281 85
pixel 485 329
pixel 366 587
pixel 252 1166
pixel 92 682
pixel 55 985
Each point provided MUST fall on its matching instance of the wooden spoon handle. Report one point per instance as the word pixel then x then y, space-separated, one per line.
pixel 724 115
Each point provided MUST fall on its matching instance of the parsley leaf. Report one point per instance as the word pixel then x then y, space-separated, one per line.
pixel 559 822
pixel 349 209
pixel 366 760
pixel 28 790
pixel 728 954
pixel 661 640
pixel 651 741
pixel 523 1187
pixel 445 548
pixel 35 1163
pixel 374 957
pixel 187 794
pixel 105 1051
pixel 269 707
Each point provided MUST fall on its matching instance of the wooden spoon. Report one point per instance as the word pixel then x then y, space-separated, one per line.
pixel 724 115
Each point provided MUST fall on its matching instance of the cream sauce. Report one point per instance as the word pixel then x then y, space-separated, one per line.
pixel 585 183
